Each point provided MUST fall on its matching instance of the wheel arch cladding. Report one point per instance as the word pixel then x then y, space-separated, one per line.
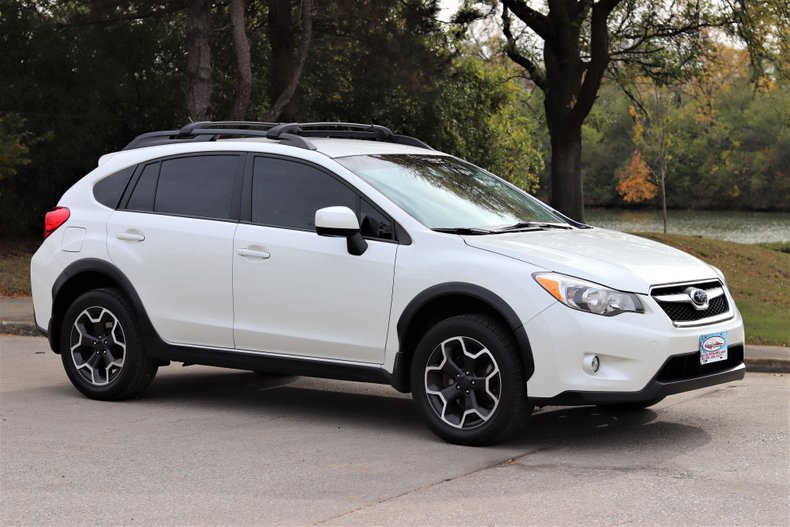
pixel 85 275
pixel 445 300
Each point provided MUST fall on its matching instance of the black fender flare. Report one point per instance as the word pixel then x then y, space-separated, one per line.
pixel 400 372
pixel 103 267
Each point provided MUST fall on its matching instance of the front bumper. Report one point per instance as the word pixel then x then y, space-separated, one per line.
pixel 658 388
pixel 639 355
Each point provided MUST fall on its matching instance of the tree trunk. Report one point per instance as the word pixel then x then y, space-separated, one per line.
pixel 566 177
pixel 664 195
pixel 198 60
pixel 281 40
pixel 570 78
pixel 664 204
pixel 242 46
pixel 564 74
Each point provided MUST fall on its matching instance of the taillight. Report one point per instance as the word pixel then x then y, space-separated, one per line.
pixel 54 219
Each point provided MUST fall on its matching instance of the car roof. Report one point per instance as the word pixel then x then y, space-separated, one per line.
pixel 329 147
pixel 301 135
pixel 334 147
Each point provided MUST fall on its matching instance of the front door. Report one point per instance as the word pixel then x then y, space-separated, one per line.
pixel 297 293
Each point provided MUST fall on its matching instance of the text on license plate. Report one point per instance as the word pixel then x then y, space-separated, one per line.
pixel 713 347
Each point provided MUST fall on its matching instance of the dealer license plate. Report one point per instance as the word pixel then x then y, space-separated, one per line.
pixel 713 347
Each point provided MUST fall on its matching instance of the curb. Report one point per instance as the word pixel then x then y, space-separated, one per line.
pixel 26 329
pixel 767 365
pixel 23 329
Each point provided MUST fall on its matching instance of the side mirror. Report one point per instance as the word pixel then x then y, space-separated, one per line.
pixel 341 221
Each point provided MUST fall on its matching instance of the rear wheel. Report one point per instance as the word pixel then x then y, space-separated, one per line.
pixel 467 381
pixel 101 347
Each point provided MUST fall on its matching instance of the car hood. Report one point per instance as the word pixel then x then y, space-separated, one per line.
pixel 610 258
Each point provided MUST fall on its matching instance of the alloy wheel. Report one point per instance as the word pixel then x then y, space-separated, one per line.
pixel 462 382
pixel 97 345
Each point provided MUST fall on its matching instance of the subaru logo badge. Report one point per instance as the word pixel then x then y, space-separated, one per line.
pixel 699 298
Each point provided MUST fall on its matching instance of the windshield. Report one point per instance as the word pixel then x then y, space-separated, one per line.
pixel 443 192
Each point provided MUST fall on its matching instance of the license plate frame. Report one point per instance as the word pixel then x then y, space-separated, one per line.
pixel 713 347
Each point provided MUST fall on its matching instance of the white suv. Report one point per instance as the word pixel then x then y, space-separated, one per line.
pixel 345 251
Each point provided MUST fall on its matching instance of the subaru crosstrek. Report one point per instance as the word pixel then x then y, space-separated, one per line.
pixel 346 251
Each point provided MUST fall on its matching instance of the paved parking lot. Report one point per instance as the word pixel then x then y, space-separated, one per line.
pixel 220 447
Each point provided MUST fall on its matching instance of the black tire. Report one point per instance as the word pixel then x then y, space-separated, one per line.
pixel 101 347
pixel 629 407
pixel 483 379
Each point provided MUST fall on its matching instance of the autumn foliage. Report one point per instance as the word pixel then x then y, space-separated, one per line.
pixel 635 184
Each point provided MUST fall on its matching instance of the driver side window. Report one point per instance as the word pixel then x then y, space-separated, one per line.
pixel 287 193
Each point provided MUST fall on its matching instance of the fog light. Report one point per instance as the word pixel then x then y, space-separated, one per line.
pixel 591 364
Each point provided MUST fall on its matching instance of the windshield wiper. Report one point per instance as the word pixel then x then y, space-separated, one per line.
pixel 516 227
pixel 532 226
pixel 474 231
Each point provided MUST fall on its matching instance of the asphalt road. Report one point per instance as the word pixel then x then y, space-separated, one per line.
pixel 207 446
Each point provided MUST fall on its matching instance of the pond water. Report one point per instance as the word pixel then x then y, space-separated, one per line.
pixel 734 226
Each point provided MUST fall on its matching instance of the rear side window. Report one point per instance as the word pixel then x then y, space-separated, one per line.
pixel 198 186
pixel 287 193
pixel 145 190
pixel 108 191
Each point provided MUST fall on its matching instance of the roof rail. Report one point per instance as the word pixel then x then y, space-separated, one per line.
pixel 252 125
pixel 345 131
pixel 294 134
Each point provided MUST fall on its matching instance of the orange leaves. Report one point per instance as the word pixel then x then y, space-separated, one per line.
pixel 636 185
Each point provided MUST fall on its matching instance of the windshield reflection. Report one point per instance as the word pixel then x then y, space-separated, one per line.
pixel 443 192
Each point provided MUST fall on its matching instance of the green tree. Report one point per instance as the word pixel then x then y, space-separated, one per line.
pixel 655 137
pixel 14 147
pixel 567 46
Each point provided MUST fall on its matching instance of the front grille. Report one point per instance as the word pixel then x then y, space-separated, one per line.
pixel 682 367
pixel 683 311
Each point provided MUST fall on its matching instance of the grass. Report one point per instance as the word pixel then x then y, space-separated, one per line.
pixel 777 246
pixel 758 277
pixel 15 267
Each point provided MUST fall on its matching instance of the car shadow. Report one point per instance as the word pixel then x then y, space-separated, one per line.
pixel 324 402
pixel 333 403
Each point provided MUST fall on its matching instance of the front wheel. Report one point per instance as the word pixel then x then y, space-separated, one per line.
pixel 468 382
pixel 101 347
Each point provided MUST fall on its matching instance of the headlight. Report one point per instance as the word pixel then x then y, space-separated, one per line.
pixel 588 296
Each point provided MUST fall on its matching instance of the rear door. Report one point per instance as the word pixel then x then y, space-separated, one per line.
pixel 173 238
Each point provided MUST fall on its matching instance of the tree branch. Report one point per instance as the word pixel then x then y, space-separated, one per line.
pixel 536 21
pixel 599 59
pixel 157 12
pixel 535 73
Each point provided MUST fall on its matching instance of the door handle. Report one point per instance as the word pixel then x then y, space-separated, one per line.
pixel 131 236
pixel 248 252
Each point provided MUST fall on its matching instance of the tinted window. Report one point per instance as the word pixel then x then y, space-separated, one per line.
pixel 287 194
pixel 108 191
pixel 142 197
pixel 197 186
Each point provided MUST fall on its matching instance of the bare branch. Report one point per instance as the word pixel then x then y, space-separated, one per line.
pixel 535 73
pixel 537 22
pixel 599 59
